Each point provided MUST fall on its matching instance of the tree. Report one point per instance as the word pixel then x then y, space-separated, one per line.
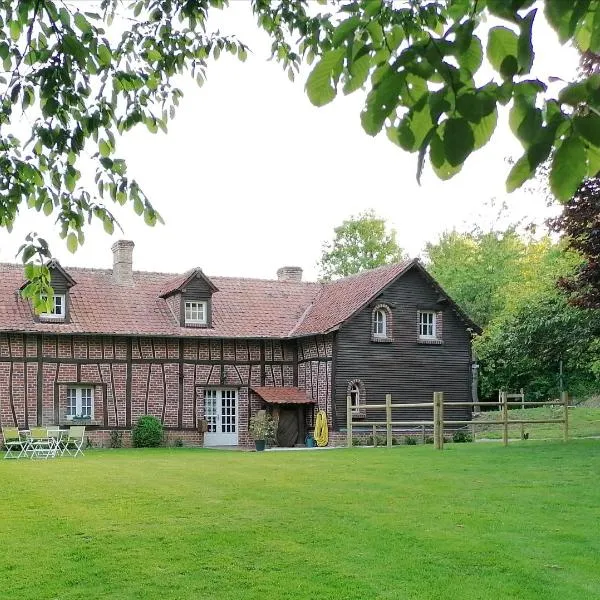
pixel 507 283
pixel 580 223
pixel 360 242
pixel 81 81
pixel 524 346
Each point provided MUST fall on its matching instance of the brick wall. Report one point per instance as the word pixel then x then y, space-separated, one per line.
pixel 166 378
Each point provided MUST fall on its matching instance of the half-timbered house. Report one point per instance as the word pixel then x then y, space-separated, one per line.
pixel 192 349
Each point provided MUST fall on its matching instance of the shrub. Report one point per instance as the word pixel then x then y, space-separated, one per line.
pixel 356 441
pixel 178 443
pixel 461 437
pixel 148 432
pixel 429 440
pixel 409 440
pixel 116 439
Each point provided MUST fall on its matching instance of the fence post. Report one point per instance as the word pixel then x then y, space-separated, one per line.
pixel 375 436
pixel 438 420
pixel 565 399
pixel 441 417
pixel 422 434
pixel 388 419
pixel 349 421
pixel 504 397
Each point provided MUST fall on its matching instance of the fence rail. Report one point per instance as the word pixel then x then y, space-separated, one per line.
pixel 439 422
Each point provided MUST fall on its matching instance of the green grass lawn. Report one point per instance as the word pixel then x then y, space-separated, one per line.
pixel 476 521
pixel 583 422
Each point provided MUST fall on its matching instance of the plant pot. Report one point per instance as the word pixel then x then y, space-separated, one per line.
pixel 260 445
pixel 309 441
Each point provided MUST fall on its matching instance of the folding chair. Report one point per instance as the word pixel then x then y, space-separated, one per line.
pixel 74 440
pixel 58 435
pixel 13 442
pixel 41 444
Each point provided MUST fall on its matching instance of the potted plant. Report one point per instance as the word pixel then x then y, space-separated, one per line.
pixel 262 428
pixel 80 420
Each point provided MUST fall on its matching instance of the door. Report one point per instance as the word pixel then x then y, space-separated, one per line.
pixel 220 411
pixel 287 429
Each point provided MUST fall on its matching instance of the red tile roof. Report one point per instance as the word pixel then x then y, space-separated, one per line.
pixel 283 395
pixel 241 308
pixel 339 300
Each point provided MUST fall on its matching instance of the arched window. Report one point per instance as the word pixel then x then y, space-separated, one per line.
pixel 358 397
pixel 379 323
pixel 355 397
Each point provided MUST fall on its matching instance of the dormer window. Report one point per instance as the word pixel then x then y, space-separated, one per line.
pixel 59 309
pixel 195 312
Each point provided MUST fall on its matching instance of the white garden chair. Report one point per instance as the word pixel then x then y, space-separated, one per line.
pixel 73 443
pixel 14 442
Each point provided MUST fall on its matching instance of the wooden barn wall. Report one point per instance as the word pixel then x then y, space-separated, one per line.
pixel 409 370
pixel 133 376
pixel 315 366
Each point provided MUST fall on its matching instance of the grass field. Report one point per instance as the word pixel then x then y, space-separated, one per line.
pixel 583 422
pixel 476 521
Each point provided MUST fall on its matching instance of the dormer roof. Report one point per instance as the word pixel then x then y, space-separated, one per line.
pixel 179 283
pixel 54 267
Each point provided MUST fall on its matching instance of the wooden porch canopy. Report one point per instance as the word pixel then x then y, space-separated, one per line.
pixel 283 395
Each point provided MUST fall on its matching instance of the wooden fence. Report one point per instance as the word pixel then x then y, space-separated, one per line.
pixel 439 422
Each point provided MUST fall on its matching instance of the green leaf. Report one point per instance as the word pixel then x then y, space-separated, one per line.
pixel 593 154
pixel 359 72
pixel 483 131
pixel 74 47
pixel 15 30
pixel 72 242
pixel 565 15
pixel 472 57
pixel 104 55
pixel 569 167
pixel 442 168
pixel 108 225
pixel 344 30
pixel 574 93
pixel 519 174
pixel 525 52
pixel 588 127
pixel 382 100
pixel 104 148
pixel 82 23
pixel 459 141
pixel 502 50
pixel 319 85
pixel 525 121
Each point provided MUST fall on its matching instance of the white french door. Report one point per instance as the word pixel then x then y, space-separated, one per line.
pixel 220 410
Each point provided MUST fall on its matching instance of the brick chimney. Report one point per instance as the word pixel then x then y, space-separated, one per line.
pixel 289 274
pixel 123 262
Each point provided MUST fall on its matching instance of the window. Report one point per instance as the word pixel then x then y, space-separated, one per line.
pixel 58 312
pixel 379 323
pixel 358 398
pixel 80 402
pixel 355 397
pixel 427 324
pixel 195 312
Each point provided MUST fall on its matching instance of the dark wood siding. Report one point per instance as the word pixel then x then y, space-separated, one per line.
pixel 409 370
pixel 197 289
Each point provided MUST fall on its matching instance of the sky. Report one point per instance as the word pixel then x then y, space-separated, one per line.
pixel 251 177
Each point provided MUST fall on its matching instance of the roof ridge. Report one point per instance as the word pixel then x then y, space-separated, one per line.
pixel 374 270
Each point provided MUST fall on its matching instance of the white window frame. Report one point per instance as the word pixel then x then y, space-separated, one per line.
pixel 427 325
pixel 383 313
pixel 60 308
pixel 192 306
pixel 355 397
pixel 78 393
